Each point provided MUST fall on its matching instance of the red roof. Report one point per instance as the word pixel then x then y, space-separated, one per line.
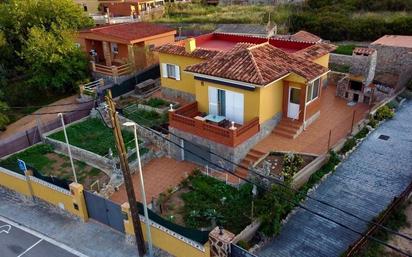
pixel 305 36
pixel 129 32
pixel 363 51
pixel 315 51
pixel 394 40
pixel 257 64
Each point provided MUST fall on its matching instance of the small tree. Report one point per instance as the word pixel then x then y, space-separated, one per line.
pixel 291 164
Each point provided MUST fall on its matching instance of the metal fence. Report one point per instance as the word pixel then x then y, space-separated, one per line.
pixel 236 251
pixel 129 84
pixel 24 139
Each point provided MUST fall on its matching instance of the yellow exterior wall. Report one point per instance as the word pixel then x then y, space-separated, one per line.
pixel 13 183
pixel 296 78
pixel 251 98
pixel 187 81
pixel 165 241
pixel 324 60
pixel 271 99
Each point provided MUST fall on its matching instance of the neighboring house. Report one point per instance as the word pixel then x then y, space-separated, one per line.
pixel 240 88
pixel 89 6
pixel 141 9
pixel 394 63
pixel 123 49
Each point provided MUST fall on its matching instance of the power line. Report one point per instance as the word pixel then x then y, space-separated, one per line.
pixel 295 204
pixel 51 105
pixel 297 191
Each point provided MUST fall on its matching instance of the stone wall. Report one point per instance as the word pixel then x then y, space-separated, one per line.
pixel 92 159
pixel 340 59
pixel 234 154
pixel 365 66
pixel 175 94
pixel 395 60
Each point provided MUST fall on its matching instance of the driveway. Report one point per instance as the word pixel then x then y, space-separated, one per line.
pixel 364 185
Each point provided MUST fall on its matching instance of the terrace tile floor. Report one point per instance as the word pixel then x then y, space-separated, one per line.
pixel 159 175
pixel 335 115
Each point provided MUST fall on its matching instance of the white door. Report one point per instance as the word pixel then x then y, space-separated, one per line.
pixel 294 103
pixel 213 105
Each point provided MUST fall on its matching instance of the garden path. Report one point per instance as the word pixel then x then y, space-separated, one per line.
pixel 364 184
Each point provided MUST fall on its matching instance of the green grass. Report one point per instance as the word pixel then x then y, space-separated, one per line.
pixel 207 14
pixel 94 136
pixel 156 102
pixel 147 118
pixel 34 156
pixel 345 49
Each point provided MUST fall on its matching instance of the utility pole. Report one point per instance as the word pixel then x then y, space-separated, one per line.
pixel 126 174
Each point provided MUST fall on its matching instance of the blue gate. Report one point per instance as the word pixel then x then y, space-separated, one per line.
pixel 104 211
pixel 236 251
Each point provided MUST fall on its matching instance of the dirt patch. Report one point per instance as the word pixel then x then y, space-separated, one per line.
pixel 174 206
pixel 275 162
pixel 60 167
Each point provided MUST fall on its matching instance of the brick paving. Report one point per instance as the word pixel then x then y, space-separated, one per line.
pixel 335 115
pixel 159 175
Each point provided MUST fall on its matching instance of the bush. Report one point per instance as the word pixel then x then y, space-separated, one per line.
pixel 156 102
pixel 349 145
pixel 373 122
pixel 384 113
pixel 362 133
pixel 393 104
pixel 291 164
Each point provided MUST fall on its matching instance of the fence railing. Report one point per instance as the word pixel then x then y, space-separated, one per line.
pixel 24 139
pixel 183 119
pixel 113 70
pixel 396 202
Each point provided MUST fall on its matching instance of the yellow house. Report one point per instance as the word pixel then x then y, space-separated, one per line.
pixel 240 89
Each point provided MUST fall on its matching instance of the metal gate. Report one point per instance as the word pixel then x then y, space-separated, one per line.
pixel 236 251
pixel 192 153
pixel 104 211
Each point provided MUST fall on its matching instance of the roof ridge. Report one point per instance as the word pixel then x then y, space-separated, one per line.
pixel 255 64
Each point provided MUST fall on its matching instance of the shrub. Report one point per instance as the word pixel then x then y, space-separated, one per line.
pixel 349 145
pixel 291 164
pixel 245 245
pixel 393 104
pixel 384 113
pixel 373 122
pixel 362 133
pixel 156 102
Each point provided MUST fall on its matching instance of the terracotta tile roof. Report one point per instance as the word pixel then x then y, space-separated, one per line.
pixel 258 64
pixel 394 40
pixel 179 49
pixel 305 36
pixel 363 51
pixel 130 31
pixel 315 51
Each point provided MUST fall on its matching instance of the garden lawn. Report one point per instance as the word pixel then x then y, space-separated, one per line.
pixel 345 49
pixel 92 135
pixel 48 163
pixel 147 118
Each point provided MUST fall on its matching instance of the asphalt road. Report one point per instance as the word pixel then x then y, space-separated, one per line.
pixel 18 241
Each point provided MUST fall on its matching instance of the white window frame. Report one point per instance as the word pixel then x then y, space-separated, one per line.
pixel 309 91
pixel 165 71
pixel 234 104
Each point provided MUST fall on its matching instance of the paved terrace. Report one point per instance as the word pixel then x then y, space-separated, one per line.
pixel 159 175
pixel 364 185
pixel 335 114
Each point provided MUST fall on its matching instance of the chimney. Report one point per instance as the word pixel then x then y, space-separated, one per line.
pixel 190 45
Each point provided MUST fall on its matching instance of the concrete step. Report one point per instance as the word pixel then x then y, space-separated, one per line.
pixel 287 128
pixel 284 134
pixel 256 152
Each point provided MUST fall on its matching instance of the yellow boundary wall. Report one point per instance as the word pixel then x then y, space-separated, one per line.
pixel 166 239
pixel 71 201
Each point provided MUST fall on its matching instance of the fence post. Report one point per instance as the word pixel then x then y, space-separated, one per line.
pixel 353 121
pixel 329 140
pixel 29 173
pixel 220 240
pixel 127 219
pixel 79 203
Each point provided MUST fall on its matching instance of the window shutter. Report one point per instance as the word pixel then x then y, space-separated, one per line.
pixel 212 100
pixel 177 70
pixel 164 70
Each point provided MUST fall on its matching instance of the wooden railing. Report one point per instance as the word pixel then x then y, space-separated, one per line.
pixel 113 70
pixel 184 119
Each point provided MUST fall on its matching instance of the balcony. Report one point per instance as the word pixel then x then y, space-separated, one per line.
pixel 114 70
pixel 188 119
